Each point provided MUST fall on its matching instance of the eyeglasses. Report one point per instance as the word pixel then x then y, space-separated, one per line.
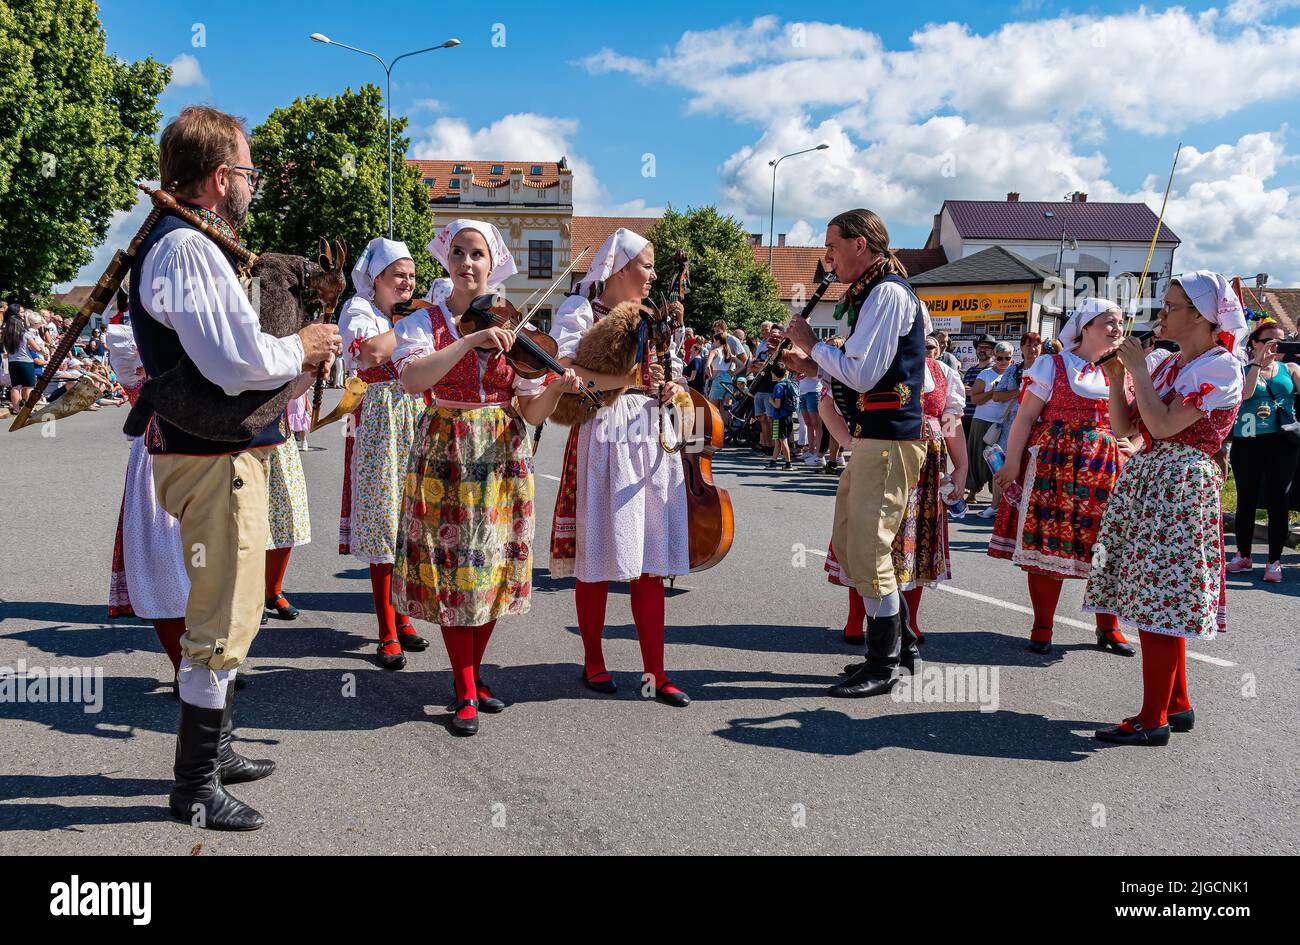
pixel 251 174
pixel 1003 358
pixel 1170 308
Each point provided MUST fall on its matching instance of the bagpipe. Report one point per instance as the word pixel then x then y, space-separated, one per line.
pixel 285 286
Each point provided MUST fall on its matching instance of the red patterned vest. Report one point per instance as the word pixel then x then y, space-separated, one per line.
pixel 1067 406
pixel 487 380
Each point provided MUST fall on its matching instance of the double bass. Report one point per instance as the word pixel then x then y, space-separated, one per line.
pixel 710 520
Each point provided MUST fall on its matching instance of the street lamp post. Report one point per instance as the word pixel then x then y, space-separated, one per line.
pixel 771 226
pixel 388 99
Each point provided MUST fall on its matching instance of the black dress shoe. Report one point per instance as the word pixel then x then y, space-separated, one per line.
pixel 486 701
pixel 1039 646
pixel 410 640
pixel 281 608
pixel 1182 721
pixel 1137 736
pixel 603 686
pixel 391 660
pixel 863 684
pixel 1119 649
pixel 673 697
pixel 461 726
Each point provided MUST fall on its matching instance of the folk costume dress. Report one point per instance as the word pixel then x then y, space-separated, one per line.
pixel 620 510
pixel 465 535
pixel 1162 566
pixel 148 572
pixel 377 446
pixel 1067 474
pixel 920 549
pixel 1159 565
pixel 289 518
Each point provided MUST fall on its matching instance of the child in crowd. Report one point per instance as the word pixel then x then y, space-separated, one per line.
pixel 784 403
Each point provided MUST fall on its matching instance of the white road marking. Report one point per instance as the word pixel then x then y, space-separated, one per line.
pixel 1068 621
pixel 549 476
pixel 814 551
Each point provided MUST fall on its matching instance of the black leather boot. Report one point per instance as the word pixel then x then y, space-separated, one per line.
pixel 875 677
pixel 909 652
pixel 197 795
pixel 235 768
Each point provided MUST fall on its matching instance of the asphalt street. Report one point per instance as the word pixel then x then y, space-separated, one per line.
pixel 761 762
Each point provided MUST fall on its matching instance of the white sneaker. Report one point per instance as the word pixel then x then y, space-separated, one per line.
pixel 989 512
pixel 811 459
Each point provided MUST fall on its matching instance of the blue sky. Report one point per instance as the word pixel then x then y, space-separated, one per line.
pixel 960 100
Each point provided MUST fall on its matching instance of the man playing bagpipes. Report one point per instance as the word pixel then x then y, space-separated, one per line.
pixel 189 310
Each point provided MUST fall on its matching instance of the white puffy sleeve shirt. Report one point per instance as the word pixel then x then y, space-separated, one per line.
pixel 189 286
pixel 1210 382
pixel 1085 379
pixel 885 316
pixel 360 321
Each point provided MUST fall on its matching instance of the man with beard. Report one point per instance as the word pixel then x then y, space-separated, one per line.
pixel 186 302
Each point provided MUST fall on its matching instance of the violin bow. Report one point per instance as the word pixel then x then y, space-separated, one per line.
pixel 1146 268
pixel 523 322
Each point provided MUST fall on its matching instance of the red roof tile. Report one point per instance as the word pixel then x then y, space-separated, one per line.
pixel 1023 220
pixel 443 171
pixel 797 265
pixel 592 231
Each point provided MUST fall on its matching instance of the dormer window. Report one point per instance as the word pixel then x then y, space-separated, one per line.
pixel 456 169
pixel 454 183
pixel 535 170
pixel 498 169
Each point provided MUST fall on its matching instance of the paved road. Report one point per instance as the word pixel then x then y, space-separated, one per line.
pixel 762 761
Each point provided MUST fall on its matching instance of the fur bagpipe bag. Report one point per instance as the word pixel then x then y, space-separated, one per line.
pixel 608 347
pixel 187 399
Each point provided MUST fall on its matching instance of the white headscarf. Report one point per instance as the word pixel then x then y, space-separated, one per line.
pixel 620 248
pixel 379 254
pixel 503 263
pixel 1084 312
pixel 1213 297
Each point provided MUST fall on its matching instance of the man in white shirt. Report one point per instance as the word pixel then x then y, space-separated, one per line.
pixel 186 302
pixel 876 381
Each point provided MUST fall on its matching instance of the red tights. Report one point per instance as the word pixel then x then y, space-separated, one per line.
pixel 169 635
pixel 1044 593
pixel 381 588
pixel 277 564
pixel 647 614
pixel 1164 678
pixel 465 649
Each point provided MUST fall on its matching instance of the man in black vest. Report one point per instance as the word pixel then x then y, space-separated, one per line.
pixel 876 383
pixel 186 302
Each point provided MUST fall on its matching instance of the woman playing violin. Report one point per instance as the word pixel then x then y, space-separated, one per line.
pixel 465 541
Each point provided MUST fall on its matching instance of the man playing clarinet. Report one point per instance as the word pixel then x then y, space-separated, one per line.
pixel 876 381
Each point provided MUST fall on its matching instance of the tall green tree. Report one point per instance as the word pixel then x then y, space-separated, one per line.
pixel 725 280
pixel 325 173
pixel 76 132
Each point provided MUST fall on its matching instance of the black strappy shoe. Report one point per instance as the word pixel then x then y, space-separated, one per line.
pixel 463 727
pixel 1134 735
pixel 391 660
pixel 603 686
pixel 1111 646
pixel 280 607
pixel 409 639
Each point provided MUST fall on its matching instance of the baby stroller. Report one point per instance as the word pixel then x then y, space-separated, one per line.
pixel 743 428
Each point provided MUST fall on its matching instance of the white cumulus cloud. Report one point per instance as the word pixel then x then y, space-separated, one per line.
pixel 186 71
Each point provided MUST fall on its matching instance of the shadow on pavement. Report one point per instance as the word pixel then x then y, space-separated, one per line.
pixel 1018 735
